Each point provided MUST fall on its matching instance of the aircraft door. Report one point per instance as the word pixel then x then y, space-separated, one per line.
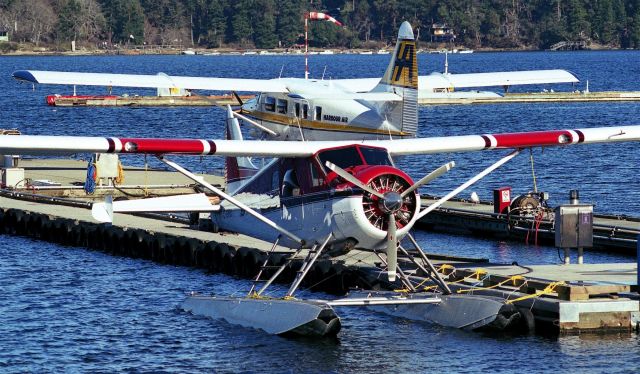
pixel 301 112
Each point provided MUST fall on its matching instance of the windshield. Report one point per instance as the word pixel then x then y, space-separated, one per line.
pixel 347 157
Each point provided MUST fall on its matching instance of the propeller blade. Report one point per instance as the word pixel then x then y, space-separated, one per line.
pixel 392 248
pixel 350 178
pixel 429 177
pixel 235 94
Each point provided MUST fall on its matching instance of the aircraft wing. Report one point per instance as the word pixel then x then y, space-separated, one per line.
pixel 160 80
pixel 448 81
pixel 426 83
pixel 505 78
pixel 55 145
pixel 367 96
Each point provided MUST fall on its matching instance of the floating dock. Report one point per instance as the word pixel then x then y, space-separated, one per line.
pixel 112 100
pixel 537 97
pixel 553 298
pixel 223 100
pixel 610 233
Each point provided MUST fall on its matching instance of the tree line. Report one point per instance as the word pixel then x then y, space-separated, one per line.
pixel 272 24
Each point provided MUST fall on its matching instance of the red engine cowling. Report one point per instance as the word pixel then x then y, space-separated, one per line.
pixel 390 182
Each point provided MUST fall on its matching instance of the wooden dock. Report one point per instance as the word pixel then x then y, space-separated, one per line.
pixel 193 100
pixel 222 100
pixel 610 233
pixel 558 298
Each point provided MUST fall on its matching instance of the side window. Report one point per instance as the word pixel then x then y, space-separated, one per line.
pixel 269 104
pixel 305 111
pixel 297 109
pixel 317 179
pixel 275 181
pixel 282 106
pixel 318 113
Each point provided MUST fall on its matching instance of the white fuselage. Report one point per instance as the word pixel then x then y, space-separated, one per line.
pixel 312 218
pixel 301 117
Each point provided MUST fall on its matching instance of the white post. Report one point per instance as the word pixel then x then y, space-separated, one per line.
pixel 306 47
pixel 580 255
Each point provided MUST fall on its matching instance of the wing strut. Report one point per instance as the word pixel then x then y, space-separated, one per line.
pixel 232 200
pixel 468 183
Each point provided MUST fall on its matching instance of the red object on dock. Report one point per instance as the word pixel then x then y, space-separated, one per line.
pixel 501 200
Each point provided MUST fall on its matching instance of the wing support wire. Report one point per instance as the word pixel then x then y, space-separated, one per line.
pixel 252 122
pixel 232 200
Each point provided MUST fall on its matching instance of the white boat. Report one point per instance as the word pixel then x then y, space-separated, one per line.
pixel 366 53
pixel 466 51
pixel 326 52
pixel 188 52
pixel 383 52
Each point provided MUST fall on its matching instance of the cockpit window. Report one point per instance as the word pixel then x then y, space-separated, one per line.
pixel 375 156
pixel 343 157
pixel 353 156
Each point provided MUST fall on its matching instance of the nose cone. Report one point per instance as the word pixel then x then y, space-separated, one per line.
pixel 392 202
pixel 406 31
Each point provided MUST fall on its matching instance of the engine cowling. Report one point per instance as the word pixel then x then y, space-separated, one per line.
pixel 390 182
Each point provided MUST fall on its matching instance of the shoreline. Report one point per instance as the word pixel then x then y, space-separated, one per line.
pixel 44 51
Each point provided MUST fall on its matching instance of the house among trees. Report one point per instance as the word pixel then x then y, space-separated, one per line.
pixel 4 35
pixel 441 33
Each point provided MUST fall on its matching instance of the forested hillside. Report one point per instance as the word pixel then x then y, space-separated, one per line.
pixel 270 23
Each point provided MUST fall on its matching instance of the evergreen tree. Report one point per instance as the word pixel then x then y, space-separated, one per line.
pixel 289 22
pixel 577 20
pixel 604 27
pixel 68 25
pixel 240 28
pixel 635 27
pixel 125 19
pixel 264 33
pixel 208 22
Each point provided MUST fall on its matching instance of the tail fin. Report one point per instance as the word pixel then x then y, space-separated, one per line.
pixel 237 169
pixel 401 78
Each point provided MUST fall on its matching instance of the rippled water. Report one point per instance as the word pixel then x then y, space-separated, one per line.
pixel 71 309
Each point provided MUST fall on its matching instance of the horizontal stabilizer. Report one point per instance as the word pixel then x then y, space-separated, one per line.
pixel 103 212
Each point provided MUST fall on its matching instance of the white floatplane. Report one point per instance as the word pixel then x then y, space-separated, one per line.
pixel 321 197
pixel 335 109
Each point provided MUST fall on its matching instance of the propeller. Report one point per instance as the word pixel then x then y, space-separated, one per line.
pixel 235 94
pixel 429 177
pixel 351 179
pixel 389 203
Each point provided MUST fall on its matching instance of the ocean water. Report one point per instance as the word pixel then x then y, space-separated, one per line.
pixel 70 309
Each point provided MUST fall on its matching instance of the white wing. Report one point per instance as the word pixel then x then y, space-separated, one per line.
pixel 426 83
pixel 505 78
pixel 151 81
pixel 51 145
